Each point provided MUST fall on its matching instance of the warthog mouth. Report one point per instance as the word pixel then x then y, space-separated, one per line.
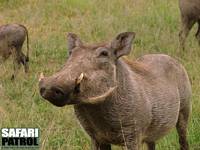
pixel 59 98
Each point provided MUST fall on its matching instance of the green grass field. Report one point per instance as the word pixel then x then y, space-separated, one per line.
pixel 156 23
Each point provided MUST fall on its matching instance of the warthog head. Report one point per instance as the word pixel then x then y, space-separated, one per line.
pixel 89 74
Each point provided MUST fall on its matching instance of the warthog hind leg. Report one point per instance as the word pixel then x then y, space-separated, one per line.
pixel 181 127
pixel 198 32
pixel 16 63
pixel 186 27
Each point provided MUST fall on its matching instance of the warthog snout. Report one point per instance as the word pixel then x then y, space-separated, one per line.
pixel 59 96
pixel 54 94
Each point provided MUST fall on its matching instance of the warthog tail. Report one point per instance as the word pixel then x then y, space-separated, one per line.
pixel 27 40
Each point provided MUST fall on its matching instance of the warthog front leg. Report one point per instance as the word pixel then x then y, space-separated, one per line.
pixel 97 146
pixel 151 145
pixel 133 145
pixel 133 142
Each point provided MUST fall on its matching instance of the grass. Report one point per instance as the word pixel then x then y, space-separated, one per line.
pixel 156 24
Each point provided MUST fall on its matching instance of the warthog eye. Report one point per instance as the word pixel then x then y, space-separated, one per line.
pixel 103 54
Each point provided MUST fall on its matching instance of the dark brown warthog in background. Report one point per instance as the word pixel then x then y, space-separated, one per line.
pixel 12 37
pixel 118 101
pixel 190 14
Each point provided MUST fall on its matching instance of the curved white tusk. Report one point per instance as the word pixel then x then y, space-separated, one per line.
pixel 80 78
pixel 41 76
pixel 100 98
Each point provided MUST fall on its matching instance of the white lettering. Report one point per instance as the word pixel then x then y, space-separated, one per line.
pixel 20 132
pixel 30 133
pixel 36 132
pixel 23 133
pixel 11 132
pixel 17 134
pixel 4 132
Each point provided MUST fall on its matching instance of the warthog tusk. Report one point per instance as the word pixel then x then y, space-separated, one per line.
pixel 80 78
pixel 41 76
pixel 100 98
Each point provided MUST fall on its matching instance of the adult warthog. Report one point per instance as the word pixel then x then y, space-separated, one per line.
pixel 12 37
pixel 119 101
pixel 190 14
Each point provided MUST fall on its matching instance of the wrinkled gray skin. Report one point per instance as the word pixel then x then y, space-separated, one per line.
pixel 152 95
pixel 12 37
pixel 190 14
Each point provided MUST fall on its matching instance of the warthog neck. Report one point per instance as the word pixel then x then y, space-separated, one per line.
pixel 122 109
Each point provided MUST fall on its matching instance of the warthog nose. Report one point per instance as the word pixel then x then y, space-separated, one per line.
pixel 54 93
pixel 42 90
pixel 57 92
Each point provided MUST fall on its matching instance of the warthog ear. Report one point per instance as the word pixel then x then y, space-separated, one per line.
pixel 73 41
pixel 121 45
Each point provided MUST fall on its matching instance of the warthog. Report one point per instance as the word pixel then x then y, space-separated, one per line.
pixel 119 101
pixel 190 14
pixel 12 37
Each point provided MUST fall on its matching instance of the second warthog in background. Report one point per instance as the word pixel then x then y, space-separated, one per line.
pixel 12 37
